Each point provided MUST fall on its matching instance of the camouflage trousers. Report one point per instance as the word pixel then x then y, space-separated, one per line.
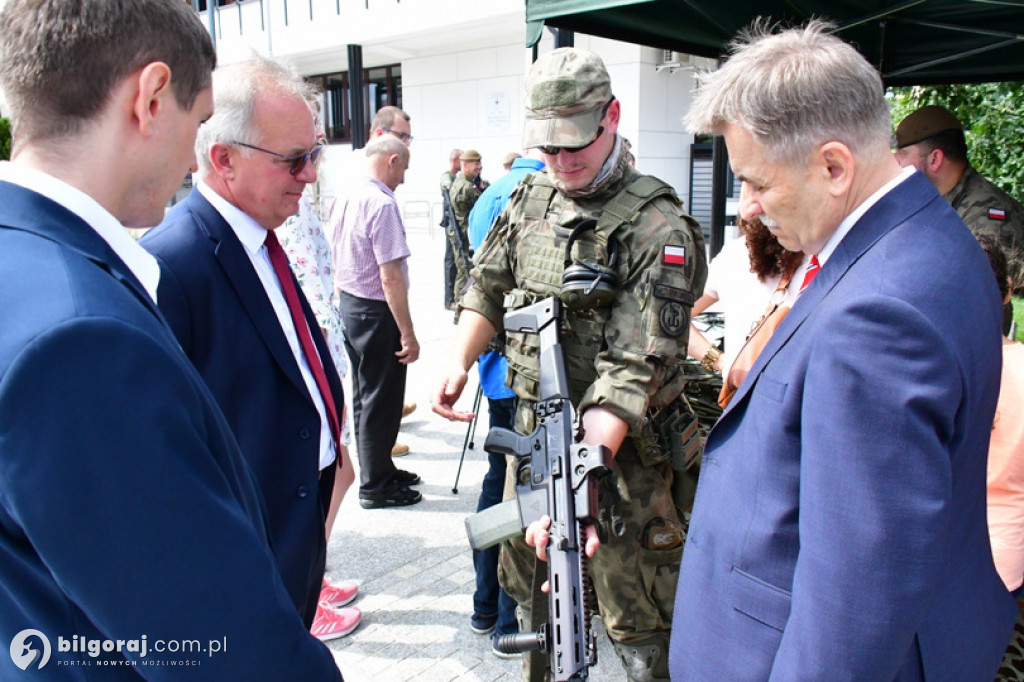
pixel 634 575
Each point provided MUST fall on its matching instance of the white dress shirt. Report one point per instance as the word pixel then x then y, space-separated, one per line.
pixel 253 235
pixel 850 220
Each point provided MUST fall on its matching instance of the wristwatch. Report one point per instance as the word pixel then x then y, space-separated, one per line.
pixel 710 358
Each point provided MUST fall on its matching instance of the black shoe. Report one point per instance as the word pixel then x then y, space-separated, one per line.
pixel 406 478
pixel 483 625
pixel 498 651
pixel 400 496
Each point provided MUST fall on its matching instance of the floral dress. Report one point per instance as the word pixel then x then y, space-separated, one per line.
pixel 310 255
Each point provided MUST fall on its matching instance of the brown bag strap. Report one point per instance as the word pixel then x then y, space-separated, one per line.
pixel 772 311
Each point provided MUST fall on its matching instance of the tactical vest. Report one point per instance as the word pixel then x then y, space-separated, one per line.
pixel 540 268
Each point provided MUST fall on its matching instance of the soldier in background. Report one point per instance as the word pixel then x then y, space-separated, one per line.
pixel 447 178
pixel 510 158
pixel 454 166
pixel 932 140
pixel 465 190
pixel 623 351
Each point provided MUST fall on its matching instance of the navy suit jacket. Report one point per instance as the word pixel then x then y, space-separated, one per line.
pixel 126 508
pixel 220 312
pixel 839 530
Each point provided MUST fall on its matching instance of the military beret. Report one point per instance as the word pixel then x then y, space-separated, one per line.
pixel 470 155
pixel 566 93
pixel 924 123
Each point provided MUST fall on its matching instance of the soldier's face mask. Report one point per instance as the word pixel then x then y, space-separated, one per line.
pixel 586 284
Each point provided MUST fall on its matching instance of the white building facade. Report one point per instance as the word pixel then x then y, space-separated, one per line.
pixel 458 68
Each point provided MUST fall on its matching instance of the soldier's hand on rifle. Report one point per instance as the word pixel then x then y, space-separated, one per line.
pixel 537 536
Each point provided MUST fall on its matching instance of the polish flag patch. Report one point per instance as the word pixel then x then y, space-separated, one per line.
pixel 673 255
pixel 996 214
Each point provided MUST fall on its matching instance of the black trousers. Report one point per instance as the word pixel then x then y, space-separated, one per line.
pixel 378 387
pixel 317 569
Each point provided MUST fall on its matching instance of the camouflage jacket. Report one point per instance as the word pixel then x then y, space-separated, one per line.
pixel 985 208
pixel 463 194
pixel 447 179
pixel 625 357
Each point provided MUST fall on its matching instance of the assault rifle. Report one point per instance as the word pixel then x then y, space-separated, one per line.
pixel 451 226
pixel 560 478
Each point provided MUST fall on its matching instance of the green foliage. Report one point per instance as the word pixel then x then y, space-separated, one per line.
pixel 1018 316
pixel 993 118
pixel 5 139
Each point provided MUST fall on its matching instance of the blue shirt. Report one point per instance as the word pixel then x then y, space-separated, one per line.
pixel 494 198
pixel 493 366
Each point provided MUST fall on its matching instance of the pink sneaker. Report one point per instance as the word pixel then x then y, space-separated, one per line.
pixel 340 594
pixel 331 623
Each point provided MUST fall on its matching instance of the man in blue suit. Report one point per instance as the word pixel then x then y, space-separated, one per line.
pixel 839 528
pixel 127 513
pixel 229 308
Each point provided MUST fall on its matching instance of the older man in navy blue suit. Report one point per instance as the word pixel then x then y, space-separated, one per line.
pixel 127 513
pixel 237 310
pixel 839 528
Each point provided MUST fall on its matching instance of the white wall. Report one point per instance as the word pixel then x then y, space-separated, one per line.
pixel 464 66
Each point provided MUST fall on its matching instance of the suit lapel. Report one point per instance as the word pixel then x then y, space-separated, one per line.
pixel 894 208
pixel 34 213
pixel 234 261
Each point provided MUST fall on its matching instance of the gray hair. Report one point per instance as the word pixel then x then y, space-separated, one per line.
pixel 386 145
pixel 793 91
pixel 60 60
pixel 235 90
pixel 386 117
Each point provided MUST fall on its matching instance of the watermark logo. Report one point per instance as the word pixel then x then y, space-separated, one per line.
pixel 22 653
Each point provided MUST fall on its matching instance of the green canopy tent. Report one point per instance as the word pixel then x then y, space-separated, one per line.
pixel 911 42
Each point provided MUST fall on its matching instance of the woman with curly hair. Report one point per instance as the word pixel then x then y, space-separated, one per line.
pixel 742 279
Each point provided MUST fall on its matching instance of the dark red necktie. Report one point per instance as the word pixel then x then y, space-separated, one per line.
pixel 812 271
pixel 284 275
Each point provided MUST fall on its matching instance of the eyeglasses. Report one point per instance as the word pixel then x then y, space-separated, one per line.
pixel 404 137
pixel 297 162
pixel 553 151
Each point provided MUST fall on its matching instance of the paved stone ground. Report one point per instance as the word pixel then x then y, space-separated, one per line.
pixel 414 564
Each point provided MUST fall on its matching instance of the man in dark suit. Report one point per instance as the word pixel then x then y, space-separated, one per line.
pixel 228 304
pixel 126 509
pixel 839 529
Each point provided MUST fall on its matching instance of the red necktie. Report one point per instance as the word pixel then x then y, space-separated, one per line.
pixel 812 271
pixel 284 275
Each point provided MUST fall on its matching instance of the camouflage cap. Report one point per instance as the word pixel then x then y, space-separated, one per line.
pixel 924 123
pixel 470 155
pixel 566 92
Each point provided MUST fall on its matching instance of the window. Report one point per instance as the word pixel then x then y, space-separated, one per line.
pixel 382 86
pixel 200 5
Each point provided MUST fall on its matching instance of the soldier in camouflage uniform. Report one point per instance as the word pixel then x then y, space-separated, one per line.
pixel 447 178
pixel 623 355
pixel 465 190
pixel 454 165
pixel 932 140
